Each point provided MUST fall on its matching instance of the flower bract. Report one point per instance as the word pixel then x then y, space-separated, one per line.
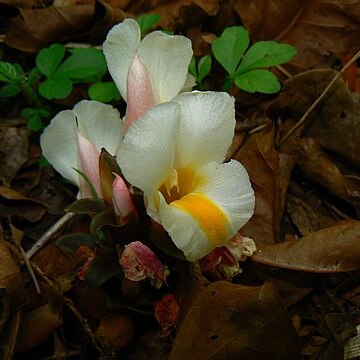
pixel 149 71
pixel 74 140
pixel 175 153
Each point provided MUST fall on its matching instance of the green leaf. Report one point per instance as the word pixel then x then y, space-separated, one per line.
pixel 89 183
pixel 147 21
pixel 192 67
pixel 19 70
pixel 229 48
pixel 48 59
pixel 10 90
pixel 204 67
pixel 87 206
pixel 102 268
pixel 43 161
pixel 33 118
pixel 263 81
pixel 103 91
pixel 8 72
pixel 83 64
pixel 265 54
pixel 56 88
pixel 70 243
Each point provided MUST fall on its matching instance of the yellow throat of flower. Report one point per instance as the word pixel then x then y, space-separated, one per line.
pixel 179 190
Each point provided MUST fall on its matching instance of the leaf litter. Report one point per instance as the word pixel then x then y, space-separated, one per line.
pixel 302 283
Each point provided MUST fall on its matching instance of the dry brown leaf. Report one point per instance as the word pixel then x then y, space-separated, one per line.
pixel 307 216
pixel 334 249
pixel 318 29
pixel 15 204
pixel 229 321
pixel 319 168
pixel 37 326
pixel 34 29
pixel 335 122
pixel 11 283
pixel 261 160
pixel 13 152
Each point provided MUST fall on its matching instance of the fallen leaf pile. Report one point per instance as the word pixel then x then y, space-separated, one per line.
pixel 296 298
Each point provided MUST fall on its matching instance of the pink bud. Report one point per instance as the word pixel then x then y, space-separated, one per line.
pixel 89 166
pixel 122 201
pixel 140 93
pixel 139 262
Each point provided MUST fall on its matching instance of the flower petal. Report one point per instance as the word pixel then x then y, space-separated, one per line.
pixel 184 231
pixel 147 153
pixel 167 58
pixel 140 94
pixel 212 214
pixel 228 186
pixel 207 124
pixel 119 49
pixel 121 197
pixel 101 124
pixel 59 144
pixel 89 160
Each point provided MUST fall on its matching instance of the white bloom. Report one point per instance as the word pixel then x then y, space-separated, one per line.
pixel 149 71
pixel 74 140
pixel 174 153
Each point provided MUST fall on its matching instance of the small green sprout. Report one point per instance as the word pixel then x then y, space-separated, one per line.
pixel 248 67
pixel 147 21
pixel 201 71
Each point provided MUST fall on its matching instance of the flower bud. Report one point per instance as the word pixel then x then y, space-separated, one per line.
pixel 139 262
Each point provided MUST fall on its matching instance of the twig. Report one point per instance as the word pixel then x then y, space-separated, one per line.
pixel 258 128
pixel 316 102
pixel 30 269
pixel 84 324
pixel 49 234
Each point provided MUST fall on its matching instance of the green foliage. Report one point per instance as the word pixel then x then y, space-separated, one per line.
pixel 201 71
pixel 57 70
pixel 83 65
pixel 103 91
pixel 34 117
pixel 147 21
pixel 247 67
pixel 229 48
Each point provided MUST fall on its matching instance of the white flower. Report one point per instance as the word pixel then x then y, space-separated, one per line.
pixel 174 153
pixel 74 140
pixel 147 72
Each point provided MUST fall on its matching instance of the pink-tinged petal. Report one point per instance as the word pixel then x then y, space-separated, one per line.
pixel 122 201
pixel 89 166
pixel 140 94
pixel 241 247
pixel 220 264
pixel 139 262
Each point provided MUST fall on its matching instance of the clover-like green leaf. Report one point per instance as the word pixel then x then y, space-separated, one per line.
pixel 204 67
pixel 103 91
pixel 229 48
pixel 264 54
pixel 56 88
pixel 260 80
pixel 49 59
pixel 147 21
pixel 83 64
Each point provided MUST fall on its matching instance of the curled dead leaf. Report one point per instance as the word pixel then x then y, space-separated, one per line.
pixel 334 249
pixel 261 160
